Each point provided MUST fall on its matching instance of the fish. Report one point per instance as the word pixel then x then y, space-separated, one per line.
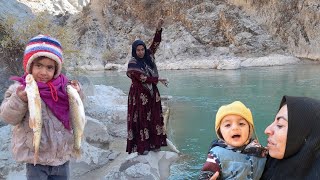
pixel 165 120
pixel 78 119
pixel 172 146
pixel 35 116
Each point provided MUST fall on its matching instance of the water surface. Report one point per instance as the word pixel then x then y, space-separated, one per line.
pixel 197 95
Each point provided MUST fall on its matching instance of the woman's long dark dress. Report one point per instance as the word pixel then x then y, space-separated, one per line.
pixel 145 120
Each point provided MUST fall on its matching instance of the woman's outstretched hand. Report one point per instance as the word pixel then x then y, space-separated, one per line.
pixel 160 23
pixel 165 82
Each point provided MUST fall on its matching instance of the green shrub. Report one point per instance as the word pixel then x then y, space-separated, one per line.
pixel 14 35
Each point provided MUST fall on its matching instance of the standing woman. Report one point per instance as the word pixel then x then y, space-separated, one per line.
pixel 145 121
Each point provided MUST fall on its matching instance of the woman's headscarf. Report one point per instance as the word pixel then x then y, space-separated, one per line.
pixel 145 64
pixel 302 154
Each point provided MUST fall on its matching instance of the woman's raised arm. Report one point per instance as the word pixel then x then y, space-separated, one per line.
pixel 157 37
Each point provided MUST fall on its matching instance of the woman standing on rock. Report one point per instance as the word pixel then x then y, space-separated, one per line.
pixel 145 121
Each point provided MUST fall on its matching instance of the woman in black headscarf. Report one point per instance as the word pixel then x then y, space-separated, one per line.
pixel 294 140
pixel 145 120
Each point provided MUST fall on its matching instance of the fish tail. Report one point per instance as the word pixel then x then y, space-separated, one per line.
pixel 35 158
pixel 172 146
pixel 36 150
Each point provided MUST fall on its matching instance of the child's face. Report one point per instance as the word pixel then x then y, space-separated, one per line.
pixel 43 69
pixel 234 130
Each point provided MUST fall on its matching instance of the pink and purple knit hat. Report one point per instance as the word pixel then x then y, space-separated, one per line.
pixel 43 45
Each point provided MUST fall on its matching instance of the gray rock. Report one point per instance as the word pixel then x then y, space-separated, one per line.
pixel 96 134
pixel 271 60
pixel 153 166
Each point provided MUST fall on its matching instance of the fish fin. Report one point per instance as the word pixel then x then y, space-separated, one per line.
pixel 77 152
pixel 38 102
pixel 31 123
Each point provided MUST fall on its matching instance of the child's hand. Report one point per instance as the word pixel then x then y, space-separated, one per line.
pixel 22 94
pixel 75 84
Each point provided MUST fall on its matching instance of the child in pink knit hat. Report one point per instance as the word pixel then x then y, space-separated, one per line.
pixel 43 58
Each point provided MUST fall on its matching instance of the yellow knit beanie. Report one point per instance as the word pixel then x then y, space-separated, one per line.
pixel 235 108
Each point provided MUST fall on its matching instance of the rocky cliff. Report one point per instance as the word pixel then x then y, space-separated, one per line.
pixel 294 23
pixel 196 34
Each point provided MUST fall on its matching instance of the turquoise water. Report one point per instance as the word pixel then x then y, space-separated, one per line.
pixel 197 94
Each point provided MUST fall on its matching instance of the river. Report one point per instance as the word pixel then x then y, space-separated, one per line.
pixel 197 94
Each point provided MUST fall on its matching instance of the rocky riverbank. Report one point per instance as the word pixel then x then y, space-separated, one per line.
pixel 104 155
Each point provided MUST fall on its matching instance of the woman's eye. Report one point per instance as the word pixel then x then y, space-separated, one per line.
pixel 227 125
pixel 242 124
pixel 279 126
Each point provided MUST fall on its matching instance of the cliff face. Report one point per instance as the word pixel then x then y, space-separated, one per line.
pixel 193 31
pixel 201 31
pixel 55 7
pixel 295 23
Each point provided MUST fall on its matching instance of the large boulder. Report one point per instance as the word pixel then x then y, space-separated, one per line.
pixel 106 103
pixel 154 165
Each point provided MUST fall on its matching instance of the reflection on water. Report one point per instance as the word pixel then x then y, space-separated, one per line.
pixel 197 94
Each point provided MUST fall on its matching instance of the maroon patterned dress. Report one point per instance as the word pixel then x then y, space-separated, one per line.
pixel 145 120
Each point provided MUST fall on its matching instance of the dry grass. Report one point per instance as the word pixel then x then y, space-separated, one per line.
pixel 14 39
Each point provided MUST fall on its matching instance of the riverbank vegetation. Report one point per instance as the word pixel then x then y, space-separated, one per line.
pixel 14 35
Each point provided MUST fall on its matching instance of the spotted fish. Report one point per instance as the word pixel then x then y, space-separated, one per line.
pixel 35 118
pixel 77 116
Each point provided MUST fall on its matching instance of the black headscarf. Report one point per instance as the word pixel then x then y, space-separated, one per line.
pixel 302 154
pixel 146 64
pixel 146 58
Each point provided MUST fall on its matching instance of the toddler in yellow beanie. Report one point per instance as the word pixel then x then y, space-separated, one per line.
pixel 236 154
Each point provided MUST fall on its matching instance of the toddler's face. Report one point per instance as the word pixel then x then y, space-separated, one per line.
pixel 43 69
pixel 235 130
